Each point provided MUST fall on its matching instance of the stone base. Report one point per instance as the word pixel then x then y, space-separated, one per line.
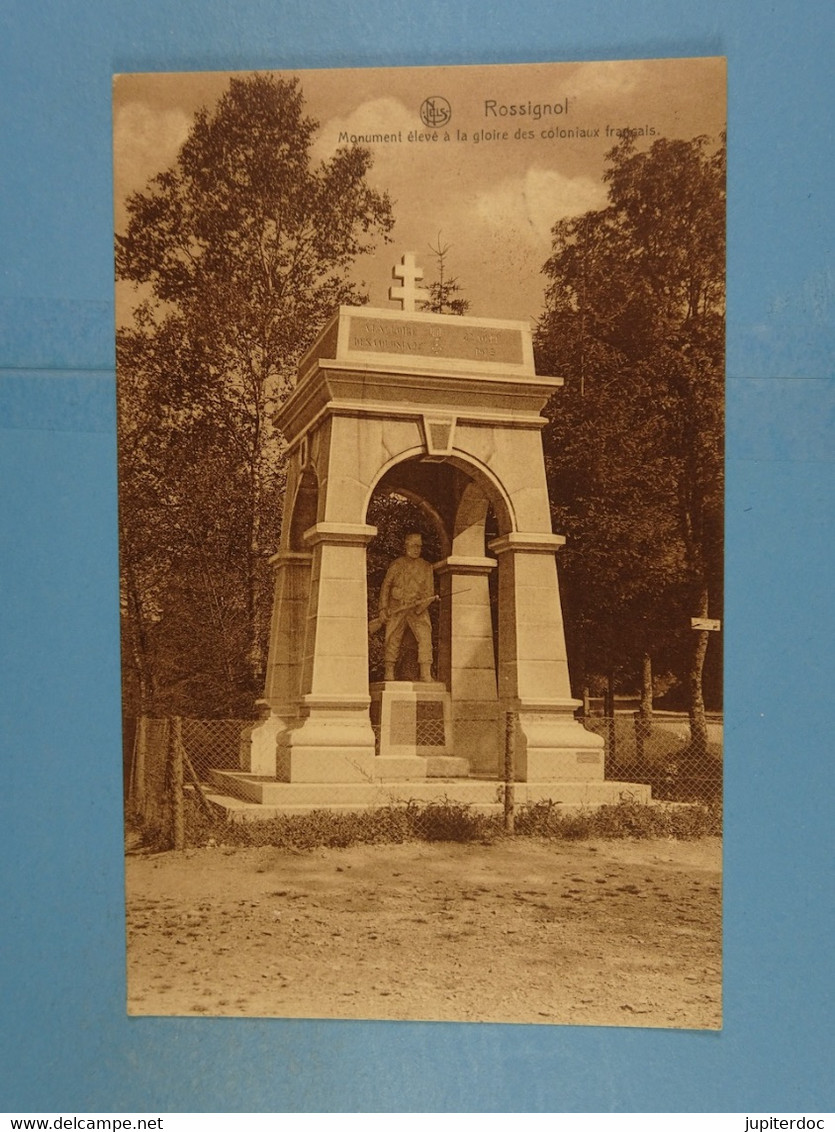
pixel 332 743
pixel 412 718
pixel 553 746
pixel 445 766
pixel 258 749
pixel 399 768
pixel 311 765
pixel 478 733
pixel 248 797
pixel 560 766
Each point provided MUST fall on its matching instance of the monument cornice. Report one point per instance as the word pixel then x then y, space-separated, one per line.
pixel 484 419
pixel 290 558
pixel 530 543
pixel 384 390
pixel 450 372
pixel 464 564
pixel 349 534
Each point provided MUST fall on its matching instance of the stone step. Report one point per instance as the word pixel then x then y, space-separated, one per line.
pixel 267 791
pixel 248 797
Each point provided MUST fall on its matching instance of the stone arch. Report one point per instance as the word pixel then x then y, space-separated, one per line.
pixel 471 468
pixel 468 534
pixel 305 508
pixel 491 487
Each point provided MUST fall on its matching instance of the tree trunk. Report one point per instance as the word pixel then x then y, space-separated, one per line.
pixel 176 783
pixel 136 791
pixel 646 686
pixel 643 717
pixel 698 721
pixel 610 713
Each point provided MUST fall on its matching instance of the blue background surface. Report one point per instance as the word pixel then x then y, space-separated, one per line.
pixel 69 1045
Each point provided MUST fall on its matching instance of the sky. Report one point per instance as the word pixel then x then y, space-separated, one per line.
pixel 489 184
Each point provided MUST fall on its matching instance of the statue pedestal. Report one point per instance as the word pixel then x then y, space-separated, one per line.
pixel 414 723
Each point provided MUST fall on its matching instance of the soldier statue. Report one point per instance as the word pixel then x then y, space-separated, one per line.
pixel 407 592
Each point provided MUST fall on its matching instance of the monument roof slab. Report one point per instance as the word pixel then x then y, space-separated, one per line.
pixel 433 341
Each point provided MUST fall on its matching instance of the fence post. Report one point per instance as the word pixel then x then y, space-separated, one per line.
pixel 177 782
pixel 509 749
pixel 610 712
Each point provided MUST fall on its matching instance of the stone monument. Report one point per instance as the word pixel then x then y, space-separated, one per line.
pixel 444 410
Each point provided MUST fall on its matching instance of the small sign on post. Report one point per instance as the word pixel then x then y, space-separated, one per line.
pixel 708 623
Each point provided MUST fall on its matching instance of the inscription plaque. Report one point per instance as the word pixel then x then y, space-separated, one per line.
pixel 435 340
pixel 402 724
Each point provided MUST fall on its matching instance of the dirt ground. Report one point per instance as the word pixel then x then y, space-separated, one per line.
pixel 606 933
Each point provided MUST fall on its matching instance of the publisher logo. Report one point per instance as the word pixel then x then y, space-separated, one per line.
pixel 435 112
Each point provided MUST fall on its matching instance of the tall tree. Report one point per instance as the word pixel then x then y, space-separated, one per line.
pixel 445 291
pixel 634 317
pixel 240 252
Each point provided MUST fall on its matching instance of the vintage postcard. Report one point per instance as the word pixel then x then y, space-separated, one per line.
pixel 421 403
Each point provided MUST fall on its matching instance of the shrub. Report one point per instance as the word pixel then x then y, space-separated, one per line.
pixel 626 819
pixel 441 821
pixel 451 821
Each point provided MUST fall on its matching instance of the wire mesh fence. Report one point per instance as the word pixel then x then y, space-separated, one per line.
pixel 170 765
pixel 216 744
pixel 170 784
pixel 663 751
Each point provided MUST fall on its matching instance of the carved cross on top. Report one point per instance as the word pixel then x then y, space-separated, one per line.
pixel 407 294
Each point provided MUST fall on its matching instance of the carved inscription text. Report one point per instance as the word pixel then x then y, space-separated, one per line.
pixel 435 340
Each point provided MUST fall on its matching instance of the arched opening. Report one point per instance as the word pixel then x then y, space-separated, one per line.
pixel 458 511
pixel 441 484
pixel 448 507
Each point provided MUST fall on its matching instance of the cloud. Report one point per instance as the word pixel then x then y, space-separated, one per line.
pixel 605 81
pixel 528 206
pixel 145 142
pixel 378 116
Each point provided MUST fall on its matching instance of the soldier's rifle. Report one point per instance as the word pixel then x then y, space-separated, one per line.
pixel 418 606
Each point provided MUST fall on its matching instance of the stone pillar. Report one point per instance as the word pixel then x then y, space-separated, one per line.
pixel 333 741
pixel 282 687
pixel 292 594
pixel 466 659
pixel 533 668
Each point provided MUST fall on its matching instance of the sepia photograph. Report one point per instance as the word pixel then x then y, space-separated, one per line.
pixel 420 379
